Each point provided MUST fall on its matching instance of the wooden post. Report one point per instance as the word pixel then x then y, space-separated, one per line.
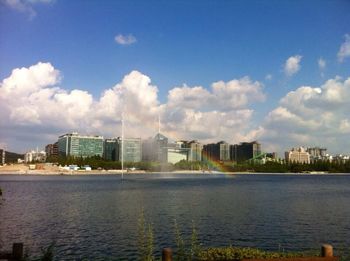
pixel 17 251
pixel 167 254
pixel 327 250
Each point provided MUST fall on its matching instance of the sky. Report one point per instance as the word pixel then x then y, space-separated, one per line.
pixel 273 71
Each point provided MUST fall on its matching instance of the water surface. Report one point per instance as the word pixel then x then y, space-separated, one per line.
pixel 96 216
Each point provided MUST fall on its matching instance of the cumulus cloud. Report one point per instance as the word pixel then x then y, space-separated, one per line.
pixel 223 96
pixel 311 116
pixel 32 102
pixel 125 39
pixel 344 50
pixel 25 6
pixel 36 109
pixel 292 65
pixel 212 115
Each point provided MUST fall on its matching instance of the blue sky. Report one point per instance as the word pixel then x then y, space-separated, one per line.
pixel 178 42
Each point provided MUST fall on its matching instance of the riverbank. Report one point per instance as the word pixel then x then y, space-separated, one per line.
pixel 136 172
pixel 49 169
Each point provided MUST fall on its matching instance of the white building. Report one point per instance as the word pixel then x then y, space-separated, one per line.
pixel 35 156
pixel 297 155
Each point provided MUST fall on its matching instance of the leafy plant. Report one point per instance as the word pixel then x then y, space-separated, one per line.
pixel 195 246
pixel 145 239
pixel 180 243
pixel 182 252
pixel 47 253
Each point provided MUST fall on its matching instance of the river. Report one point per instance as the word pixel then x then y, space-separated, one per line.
pixel 96 216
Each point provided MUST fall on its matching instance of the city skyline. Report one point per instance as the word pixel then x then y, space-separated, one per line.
pixel 274 72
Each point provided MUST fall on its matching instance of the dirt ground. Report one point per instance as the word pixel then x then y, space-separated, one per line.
pixel 25 167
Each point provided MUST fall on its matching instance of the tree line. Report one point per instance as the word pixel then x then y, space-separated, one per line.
pixel 97 162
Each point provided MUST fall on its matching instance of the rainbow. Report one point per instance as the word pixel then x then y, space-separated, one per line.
pixel 212 164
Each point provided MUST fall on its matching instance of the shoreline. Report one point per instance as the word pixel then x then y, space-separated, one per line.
pixel 177 172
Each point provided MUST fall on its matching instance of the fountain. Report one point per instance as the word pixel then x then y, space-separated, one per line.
pixel 122 141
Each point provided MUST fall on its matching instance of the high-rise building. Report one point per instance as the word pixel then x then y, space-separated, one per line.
pixel 195 150
pixel 73 144
pixel 317 153
pixel 111 149
pixel 297 155
pixel 2 157
pixel 161 148
pixel 51 149
pixel 147 150
pixel 245 151
pixel 217 151
pixel 155 149
pixel 132 151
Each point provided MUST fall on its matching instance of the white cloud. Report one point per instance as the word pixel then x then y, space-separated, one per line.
pixel 125 39
pixel 36 110
pixel 237 94
pixel 344 50
pixel 345 126
pixel 292 65
pixel 268 77
pixel 25 6
pixel 322 63
pixel 311 116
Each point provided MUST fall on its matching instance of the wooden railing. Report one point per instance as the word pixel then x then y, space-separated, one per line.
pixel 326 255
pixel 15 255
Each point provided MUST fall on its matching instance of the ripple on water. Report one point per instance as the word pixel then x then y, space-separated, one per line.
pixel 96 217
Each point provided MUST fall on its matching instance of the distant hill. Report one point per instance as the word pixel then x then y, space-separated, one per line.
pixel 11 157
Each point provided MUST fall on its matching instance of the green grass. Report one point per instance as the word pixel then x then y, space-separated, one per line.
pixel 238 253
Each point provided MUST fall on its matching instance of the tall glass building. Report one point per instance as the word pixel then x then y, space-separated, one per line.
pixel 73 144
pixel 217 152
pixel 245 151
pixel 132 149
pixel 113 149
pixel 195 150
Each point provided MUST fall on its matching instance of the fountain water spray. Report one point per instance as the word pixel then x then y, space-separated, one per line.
pixel 122 150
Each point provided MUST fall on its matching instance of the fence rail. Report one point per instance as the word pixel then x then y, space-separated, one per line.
pixel 167 253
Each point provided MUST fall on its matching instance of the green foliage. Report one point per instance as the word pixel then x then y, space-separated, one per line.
pixel 47 253
pixel 180 244
pixel 195 246
pixel 145 239
pixel 183 253
pixel 280 167
pixel 343 253
pixel 238 253
pixel 190 165
pixel 97 162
